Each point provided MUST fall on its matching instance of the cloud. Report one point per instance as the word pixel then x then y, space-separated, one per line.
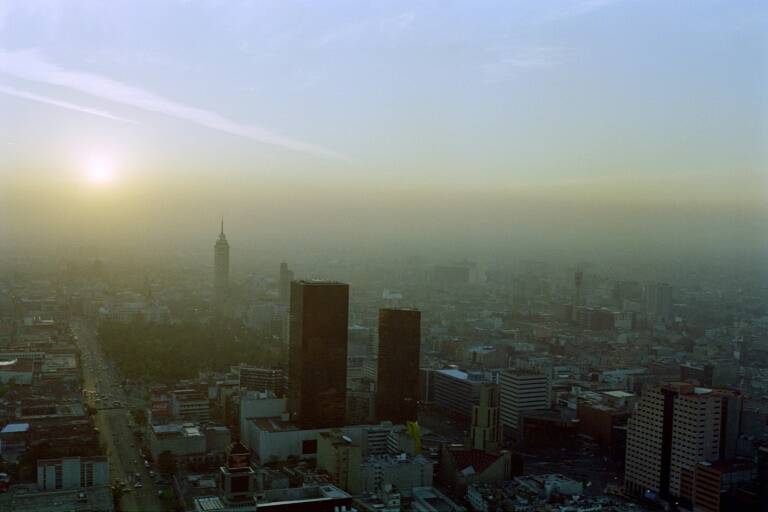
pixel 509 62
pixel 576 8
pixel 11 91
pixel 29 65
pixel 390 27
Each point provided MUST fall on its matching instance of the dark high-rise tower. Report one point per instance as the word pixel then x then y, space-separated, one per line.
pixel 221 266
pixel 317 380
pixel 397 391
pixel 286 276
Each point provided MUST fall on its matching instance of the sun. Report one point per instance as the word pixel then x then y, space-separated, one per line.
pixel 99 170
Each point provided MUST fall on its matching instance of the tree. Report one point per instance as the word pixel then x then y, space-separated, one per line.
pixel 139 416
pixel 165 462
pixel 117 495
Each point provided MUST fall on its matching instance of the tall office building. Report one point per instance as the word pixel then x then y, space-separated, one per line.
pixel 317 379
pixel 675 427
pixel 221 266
pixel 485 432
pixel 522 390
pixel 284 283
pixel 578 279
pixel 658 302
pixel 397 392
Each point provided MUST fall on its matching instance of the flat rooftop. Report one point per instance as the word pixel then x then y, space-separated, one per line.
pixel 274 425
pixel 28 499
pixel 15 428
pixel 181 429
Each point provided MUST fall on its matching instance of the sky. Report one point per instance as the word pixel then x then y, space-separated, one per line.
pixel 457 120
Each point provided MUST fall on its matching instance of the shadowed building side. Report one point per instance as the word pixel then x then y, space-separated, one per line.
pixel 317 385
pixel 397 391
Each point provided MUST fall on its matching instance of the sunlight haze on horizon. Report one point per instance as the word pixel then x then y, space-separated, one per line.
pixel 611 122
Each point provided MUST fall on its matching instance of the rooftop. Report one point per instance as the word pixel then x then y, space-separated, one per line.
pixel 13 428
pixel 274 425
pixel 619 394
pixel 181 429
pixel 455 373
pixel 33 500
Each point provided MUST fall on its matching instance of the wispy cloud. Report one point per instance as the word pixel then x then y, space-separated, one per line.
pixel 390 27
pixel 11 91
pixel 507 63
pixel 574 8
pixel 29 65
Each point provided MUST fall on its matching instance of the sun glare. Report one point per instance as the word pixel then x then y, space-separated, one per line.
pixel 99 170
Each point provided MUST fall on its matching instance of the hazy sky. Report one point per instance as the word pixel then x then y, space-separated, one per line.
pixel 296 116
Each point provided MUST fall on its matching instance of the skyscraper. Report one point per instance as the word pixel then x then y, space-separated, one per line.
pixel 658 302
pixel 578 278
pixel 286 276
pixel 317 380
pixel 397 391
pixel 673 428
pixel 221 266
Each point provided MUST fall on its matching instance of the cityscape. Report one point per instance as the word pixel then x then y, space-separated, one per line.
pixel 461 296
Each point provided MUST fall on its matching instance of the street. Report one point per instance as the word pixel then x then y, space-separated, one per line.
pixel 114 421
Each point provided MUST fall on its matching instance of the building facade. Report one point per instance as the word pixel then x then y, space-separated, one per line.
pixel 522 390
pixel 262 379
pixel 485 431
pixel 317 386
pixel 457 391
pixel 398 368
pixel 72 473
pixel 675 427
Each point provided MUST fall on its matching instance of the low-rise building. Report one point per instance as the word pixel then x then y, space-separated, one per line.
pixel 179 439
pixel 457 391
pixel 321 498
pixel 75 500
pixel 429 499
pixel 190 405
pixel 72 473
pixel 17 371
pixel 402 471
pixel 340 457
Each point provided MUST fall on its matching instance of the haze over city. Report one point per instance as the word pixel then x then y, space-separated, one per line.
pixel 528 126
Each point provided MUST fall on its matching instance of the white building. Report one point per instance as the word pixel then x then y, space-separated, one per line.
pixel 674 427
pixel 182 440
pixel 190 405
pixel 277 438
pixel 401 471
pixel 260 404
pixel 72 473
pixel 522 390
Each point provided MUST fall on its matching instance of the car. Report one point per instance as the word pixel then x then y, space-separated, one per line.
pixel 138 485
pixel 146 463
